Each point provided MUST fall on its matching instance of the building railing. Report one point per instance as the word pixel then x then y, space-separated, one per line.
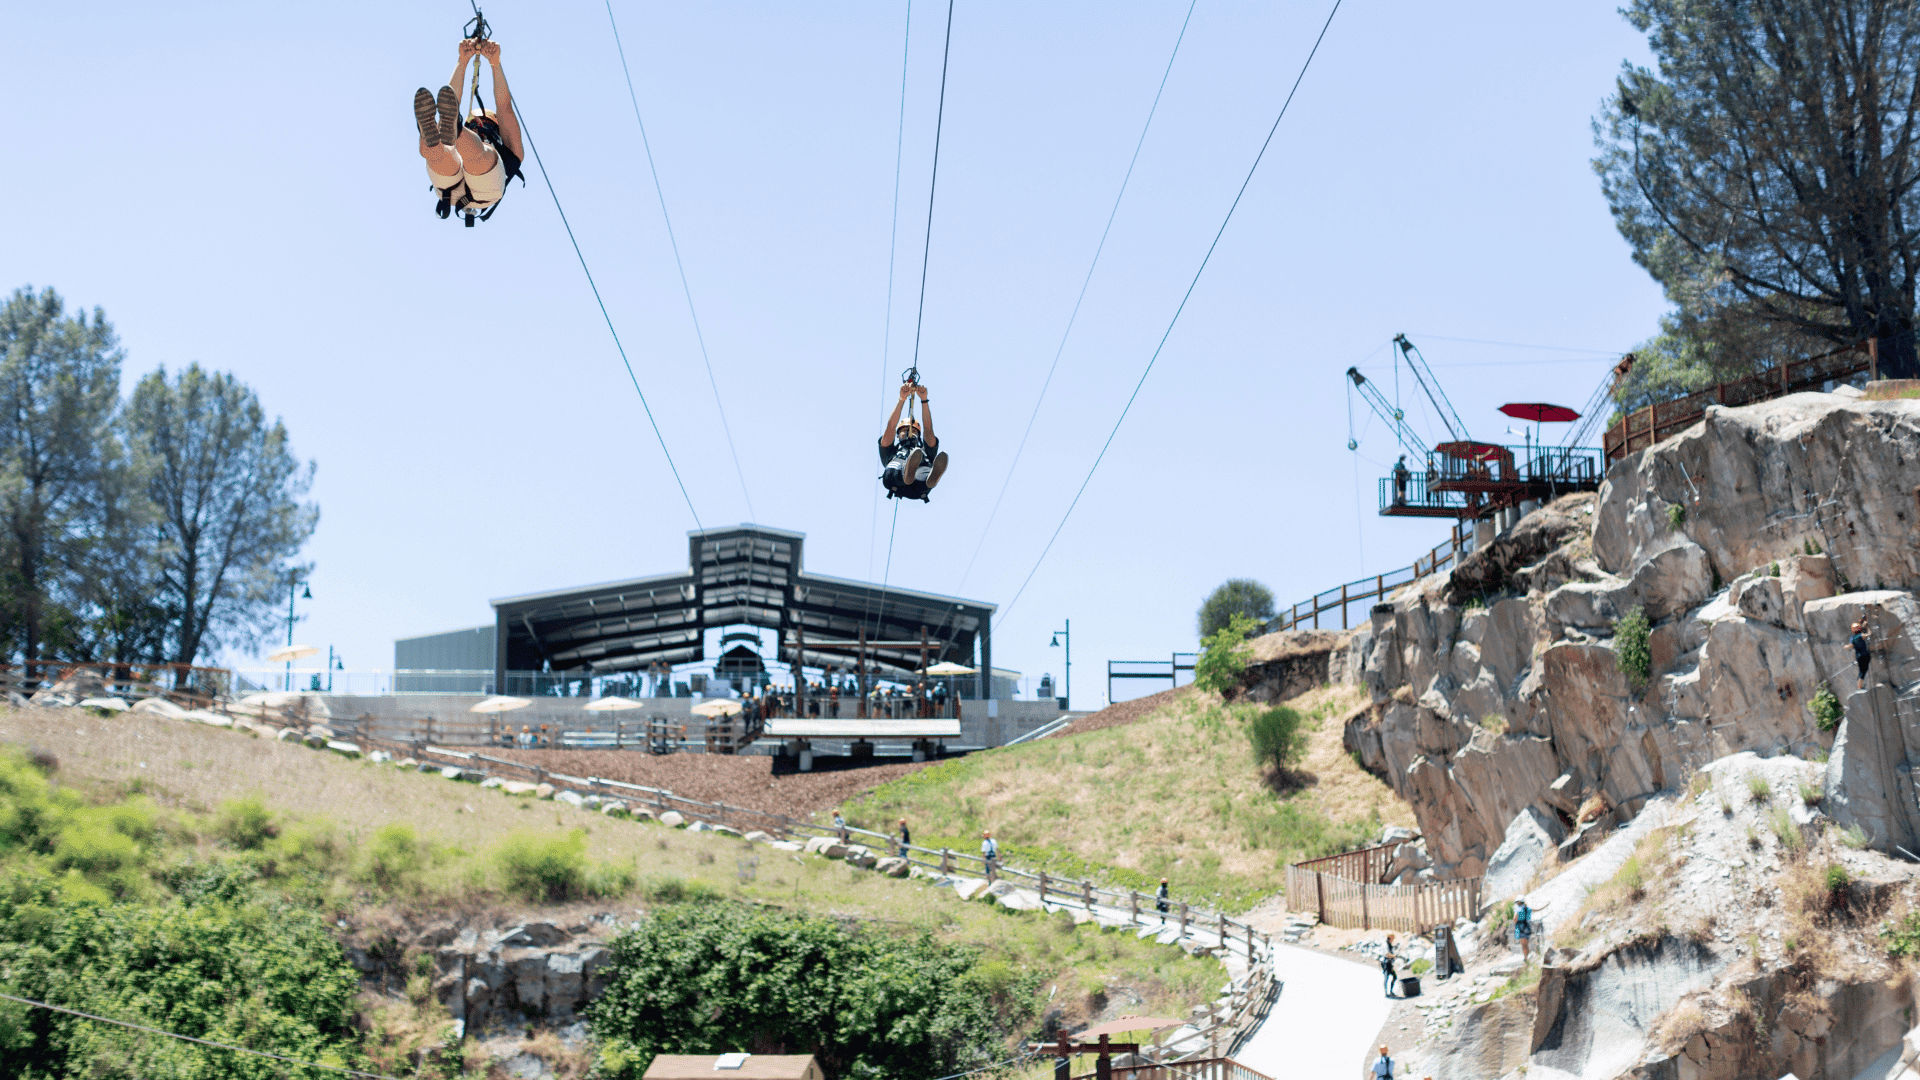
pixel 1664 419
pixel 1346 891
pixel 1379 586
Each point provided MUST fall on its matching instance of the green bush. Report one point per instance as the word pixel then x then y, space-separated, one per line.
pixel 245 823
pixel 544 869
pixel 1773 569
pixel 1631 633
pixel 1785 830
pixel 1827 710
pixel 1223 657
pixel 1838 880
pixel 1277 737
pixel 1676 516
pixel 1902 937
pixel 1812 548
pixel 712 978
pixel 1235 597
pixel 396 858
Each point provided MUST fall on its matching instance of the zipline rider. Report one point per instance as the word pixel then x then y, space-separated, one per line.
pixel 469 164
pixel 913 461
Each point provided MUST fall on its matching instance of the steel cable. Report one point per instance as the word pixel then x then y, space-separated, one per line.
pixel 1191 285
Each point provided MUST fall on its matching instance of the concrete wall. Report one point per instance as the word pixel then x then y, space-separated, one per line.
pixel 394 716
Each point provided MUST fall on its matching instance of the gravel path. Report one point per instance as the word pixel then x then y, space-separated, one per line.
pixel 747 780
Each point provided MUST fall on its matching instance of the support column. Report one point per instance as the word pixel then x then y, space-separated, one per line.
pixel 986 656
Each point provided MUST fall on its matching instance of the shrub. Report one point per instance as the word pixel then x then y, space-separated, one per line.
pixel 1495 723
pixel 1902 937
pixel 542 868
pixel 1812 548
pixel 1826 709
pixel 1774 569
pixel 1235 597
pixel 1758 787
pixel 1812 794
pixel 1855 837
pixel 1630 646
pixel 1837 881
pixel 245 823
pixel 396 858
pixel 1421 966
pixel 865 1003
pixel 1277 738
pixel 1222 656
pixel 1676 516
pixel 1784 829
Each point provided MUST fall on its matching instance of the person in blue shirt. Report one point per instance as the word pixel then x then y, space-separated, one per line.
pixel 1523 928
pixel 1862 650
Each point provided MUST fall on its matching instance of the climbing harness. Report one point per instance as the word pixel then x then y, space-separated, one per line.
pixel 905 487
pixel 459 197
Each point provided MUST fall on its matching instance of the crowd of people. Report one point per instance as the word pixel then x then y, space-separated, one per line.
pixel 836 698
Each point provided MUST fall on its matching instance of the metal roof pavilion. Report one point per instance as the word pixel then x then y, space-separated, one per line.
pixel 746 575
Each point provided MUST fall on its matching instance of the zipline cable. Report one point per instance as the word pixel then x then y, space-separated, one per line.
pixel 202 1042
pixel 528 137
pixel 1075 313
pixel 674 243
pixel 1176 312
pixel 933 185
pixel 893 240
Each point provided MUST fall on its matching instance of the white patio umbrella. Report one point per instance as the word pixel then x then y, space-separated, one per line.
pixel 499 703
pixel 291 653
pixel 717 707
pixel 948 667
pixel 615 704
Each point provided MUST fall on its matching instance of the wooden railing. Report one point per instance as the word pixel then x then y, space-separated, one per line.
pixel 1210 1068
pixel 1346 891
pixel 1665 419
pixel 182 683
pixel 1458 544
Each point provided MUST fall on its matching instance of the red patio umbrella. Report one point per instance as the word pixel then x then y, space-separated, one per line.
pixel 1539 411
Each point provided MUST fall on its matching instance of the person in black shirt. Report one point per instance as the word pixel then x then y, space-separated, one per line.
pixel 1862 650
pixel 913 461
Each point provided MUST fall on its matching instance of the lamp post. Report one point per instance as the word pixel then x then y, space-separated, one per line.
pixel 1054 644
pixel 295 583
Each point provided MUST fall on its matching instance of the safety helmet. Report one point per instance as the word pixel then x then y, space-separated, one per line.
pixel 908 425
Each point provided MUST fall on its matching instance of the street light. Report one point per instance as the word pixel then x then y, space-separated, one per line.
pixel 1054 644
pixel 307 594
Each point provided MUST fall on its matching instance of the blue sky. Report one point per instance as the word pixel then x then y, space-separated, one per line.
pixel 237 184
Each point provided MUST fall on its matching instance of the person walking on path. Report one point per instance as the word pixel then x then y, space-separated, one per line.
pixel 1862 650
pixel 1387 963
pixel 1162 902
pixel 989 853
pixel 1383 1065
pixel 906 838
pixel 1523 928
pixel 840 825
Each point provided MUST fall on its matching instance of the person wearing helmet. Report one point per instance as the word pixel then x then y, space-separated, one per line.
pixel 912 459
pixel 469 164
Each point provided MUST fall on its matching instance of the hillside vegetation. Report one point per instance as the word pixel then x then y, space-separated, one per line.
pixel 132 829
pixel 1177 793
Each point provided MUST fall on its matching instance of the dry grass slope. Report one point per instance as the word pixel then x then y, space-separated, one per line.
pixel 193 769
pixel 1173 793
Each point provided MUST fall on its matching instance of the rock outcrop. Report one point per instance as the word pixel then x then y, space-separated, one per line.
pixel 1750 543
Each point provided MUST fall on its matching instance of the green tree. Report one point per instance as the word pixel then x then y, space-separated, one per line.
pixel 1278 737
pixel 1768 173
pixel 59 389
pixel 1223 655
pixel 227 489
pixel 716 978
pixel 1235 596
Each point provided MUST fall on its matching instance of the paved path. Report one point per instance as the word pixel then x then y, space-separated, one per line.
pixel 1324 1021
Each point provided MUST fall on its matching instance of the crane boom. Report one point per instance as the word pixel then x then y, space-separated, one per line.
pixel 1423 375
pixel 1408 440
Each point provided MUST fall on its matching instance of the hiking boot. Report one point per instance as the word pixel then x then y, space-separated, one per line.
pixel 449 106
pixel 424 115
pixel 939 466
pixel 910 472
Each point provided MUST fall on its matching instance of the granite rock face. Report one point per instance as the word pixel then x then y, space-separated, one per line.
pixel 1750 543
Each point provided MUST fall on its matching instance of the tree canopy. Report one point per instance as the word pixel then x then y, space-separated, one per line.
pixel 1235 596
pixel 150 531
pixel 1765 173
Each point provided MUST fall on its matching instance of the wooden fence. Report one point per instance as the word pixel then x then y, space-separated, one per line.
pixel 1210 1068
pixel 1346 891
pixel 1380 586
pixel 191 686
pixel 1665 419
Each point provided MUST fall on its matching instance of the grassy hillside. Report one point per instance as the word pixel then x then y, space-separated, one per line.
pixel 1175 794
pixel 151 803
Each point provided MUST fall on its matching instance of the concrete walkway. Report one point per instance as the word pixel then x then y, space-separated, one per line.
pixel 1322 1025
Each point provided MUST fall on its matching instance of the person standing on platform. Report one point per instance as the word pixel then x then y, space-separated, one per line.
pixel 1163 901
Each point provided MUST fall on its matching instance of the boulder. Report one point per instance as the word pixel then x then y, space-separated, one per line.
pixel 614 808
pixel 864 858
pixel 518 787
pixel 543 791
pixel 672 819
pixel 1531 838
pixel 727 830
pixel 969 888
pixel 344 748
pixel 493 782
pixel 380 757
pixel 591 802
pixel 827 846
pixel 571 798
pixel 893 866
pixel 759 837
pixel 316 742
pixel 157 706
pixel 531 936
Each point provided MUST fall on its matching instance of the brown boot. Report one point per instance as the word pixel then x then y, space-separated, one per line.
pixel 423 115
pixel 449 109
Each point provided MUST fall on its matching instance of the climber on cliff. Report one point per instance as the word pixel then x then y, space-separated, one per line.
pixel 1862 650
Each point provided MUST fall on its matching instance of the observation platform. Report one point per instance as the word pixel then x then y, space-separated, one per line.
pixel 1465 480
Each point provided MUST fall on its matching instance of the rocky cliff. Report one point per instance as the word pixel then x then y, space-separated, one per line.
pixel 1750 543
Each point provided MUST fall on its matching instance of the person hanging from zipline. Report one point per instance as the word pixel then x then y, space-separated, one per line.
pixel 469 164
pixel 913 459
